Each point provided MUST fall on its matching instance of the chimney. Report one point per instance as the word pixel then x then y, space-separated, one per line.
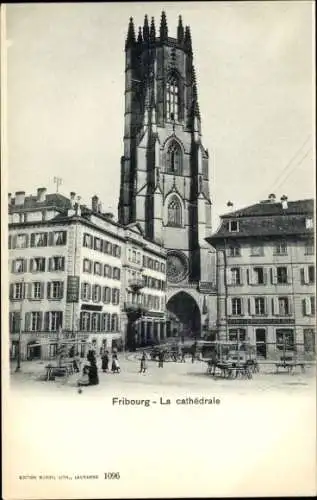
pixel 72 199
pixel 41 195
pixel 284 202
pixel 19 198
pixel 99 207
pixel 272 198
pixel 9 198
pixel 94 203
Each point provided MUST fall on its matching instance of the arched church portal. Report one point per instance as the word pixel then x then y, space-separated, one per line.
pixel 185 315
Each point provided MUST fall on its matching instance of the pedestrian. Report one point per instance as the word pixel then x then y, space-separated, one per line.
pixel 161 358
pixel 84 379
pixel 143 364
pixel 183 355
pixel 91 356
pixel 93 373
pixel 115 367
pixel 105 362
pixel 194 346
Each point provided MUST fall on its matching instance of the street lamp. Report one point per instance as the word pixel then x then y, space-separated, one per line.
pixel 18 367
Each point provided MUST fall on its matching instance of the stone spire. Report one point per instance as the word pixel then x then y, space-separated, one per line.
pixel 146 31
pixel 163 27
pixel 152 31
pixel 131 35
pixel 140 38
pixel 188 40
pixel 180 30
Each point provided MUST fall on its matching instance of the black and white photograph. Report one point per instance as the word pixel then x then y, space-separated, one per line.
pixel 158 249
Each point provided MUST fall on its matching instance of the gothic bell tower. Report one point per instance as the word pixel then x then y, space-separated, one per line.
pixel 164 169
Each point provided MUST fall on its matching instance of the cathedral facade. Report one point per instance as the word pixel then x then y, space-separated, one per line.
pixel 165 168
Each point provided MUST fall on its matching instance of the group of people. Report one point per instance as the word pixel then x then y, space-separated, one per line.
pixel 90 371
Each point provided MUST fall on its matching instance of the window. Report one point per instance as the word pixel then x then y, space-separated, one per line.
pixel 307 274
pixel 37 290
pixel 85 291
pixel 107 271
pixel 59 238
pixel 38 239
pixel 98 244
pixel 95 322
pixel 107 247
pixel 237 335
pixel 97 268
pixel 18 291
pixel 162 268
pixel 115 296
pixel 116 273
pixel 37 264
pixel 309 248
pixel 53 320
pixel 311 274
pixel 280 248
pixel 233 226
pixel 257 251
pixel 234 251
pixel 19 266
pixel 85 321
pixel 55 290
pixel 35 321
pixel 172 99
pixel 285 339
pixel 14 322
pixel 259 303
pixel 138 258
pixel 88 240
pixel 87 266
pixel 235 276
pixel 309 340
pixel 96 293
pixel 106 295
pixel 174 213
pixel 282 275
pixel 174 159
pixel 309 224
pixel 116 251
pixel 236 306
pixel 21 241
pixel 283 306
pixel 114 323
pixel 133 256
pixel 56 264
pixel 309 306
pixel 257 276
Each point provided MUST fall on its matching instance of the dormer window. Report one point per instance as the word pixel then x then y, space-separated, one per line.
pixel 233 226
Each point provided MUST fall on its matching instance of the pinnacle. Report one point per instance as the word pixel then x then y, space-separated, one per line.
pixel 163 27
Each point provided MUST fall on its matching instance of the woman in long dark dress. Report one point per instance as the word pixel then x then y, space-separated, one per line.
pixel 93 373
pixel 105 362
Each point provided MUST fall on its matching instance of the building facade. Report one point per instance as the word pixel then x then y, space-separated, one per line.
pixel 266 276
pixel 164 169
pixel 68 275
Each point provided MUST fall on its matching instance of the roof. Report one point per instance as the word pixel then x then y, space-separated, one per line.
pixel 268 208
pixel 267 220
pixel 51 200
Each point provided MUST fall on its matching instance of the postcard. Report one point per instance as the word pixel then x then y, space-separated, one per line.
pixel 158 260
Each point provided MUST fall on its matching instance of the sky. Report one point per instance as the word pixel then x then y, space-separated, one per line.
pixel 254 67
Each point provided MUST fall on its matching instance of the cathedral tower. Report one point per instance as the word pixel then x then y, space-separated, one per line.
pixel 164 170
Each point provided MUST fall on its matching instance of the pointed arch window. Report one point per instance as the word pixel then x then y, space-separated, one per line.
pixel 172 99
pixel 174 212
pixel 174 159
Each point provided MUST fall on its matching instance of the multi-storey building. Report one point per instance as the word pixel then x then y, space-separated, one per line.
pixel 164 168
pixel 266 275
pixel 66 274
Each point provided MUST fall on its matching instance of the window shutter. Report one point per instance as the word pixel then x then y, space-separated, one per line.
pixel 41 321
pixel 265 305
pixel 24 265
pixel 24 288
pixel 307 307
pixel 290 306
pixel 302 275
pixel 11 290
pixel 264 276
pixel 10 243
pixel 289 274
pixel 276 309
pixel 64 237
pixel 242 275
pixel 62 290
pixel 32 240
pixel 306 275
pixel 27 238
pixel 242 306
pixel 229 302
pixel 11 315
pixel 50 264
pixel 45 239
pixel 49 289
pixel 27 321
pixel 252 303
pixel 229 281
pixel 274 275
pixel 46 321
pixel 30 285
pixel 14 241
pixel 82 291
pixel 42 289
